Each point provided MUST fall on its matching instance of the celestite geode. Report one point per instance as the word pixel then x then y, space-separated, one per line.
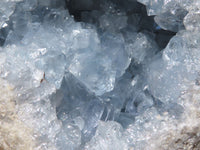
pixel 99 75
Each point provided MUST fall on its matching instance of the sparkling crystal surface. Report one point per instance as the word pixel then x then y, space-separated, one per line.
pixel 99 75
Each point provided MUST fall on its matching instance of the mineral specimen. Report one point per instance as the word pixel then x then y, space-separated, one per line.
pixel 99 75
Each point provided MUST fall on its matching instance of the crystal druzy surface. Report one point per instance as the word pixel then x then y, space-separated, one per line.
pixel 99 75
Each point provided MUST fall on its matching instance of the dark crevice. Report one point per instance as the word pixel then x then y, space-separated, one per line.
pixel 165 36
pixel 3 34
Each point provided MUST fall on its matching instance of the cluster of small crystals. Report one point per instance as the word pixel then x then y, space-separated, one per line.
pixel 100 84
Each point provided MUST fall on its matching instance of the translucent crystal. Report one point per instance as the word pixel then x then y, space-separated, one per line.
pixel 98 64
pixel 112 132
pixel 172 11
pixel 99 75
pixel 142 48
pixel 6 10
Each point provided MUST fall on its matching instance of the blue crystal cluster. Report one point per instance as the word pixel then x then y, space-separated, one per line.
pixel 100 75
